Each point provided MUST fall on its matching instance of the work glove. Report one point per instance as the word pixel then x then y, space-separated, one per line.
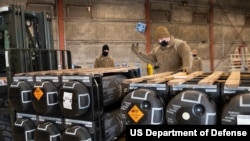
pixel 135 48
pixel 186 69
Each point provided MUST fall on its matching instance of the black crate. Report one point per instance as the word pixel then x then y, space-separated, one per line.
pixel 194 104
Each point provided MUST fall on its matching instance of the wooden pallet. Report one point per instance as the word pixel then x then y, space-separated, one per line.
pixel 101 71
pixel 147 78
pixel 176 78
pixel 209 80
pixel 170 78
pixel 233 81
pixel 181 80
pixel 78 71
pixel 167 78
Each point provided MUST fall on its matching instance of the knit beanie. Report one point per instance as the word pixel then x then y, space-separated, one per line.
pixel 105 47
pixel 161 32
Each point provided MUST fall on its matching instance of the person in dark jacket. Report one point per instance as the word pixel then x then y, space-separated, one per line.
pixel 171 55
pixel 104 59
pixel 197 62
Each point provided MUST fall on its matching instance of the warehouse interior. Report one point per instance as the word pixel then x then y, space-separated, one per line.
pixel 97 103
pixel 214 27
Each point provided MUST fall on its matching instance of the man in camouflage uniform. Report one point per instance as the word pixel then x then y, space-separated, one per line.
pixel 104 60
pixel 171 55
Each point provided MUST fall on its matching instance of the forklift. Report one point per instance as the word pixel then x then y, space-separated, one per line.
pixel 26 45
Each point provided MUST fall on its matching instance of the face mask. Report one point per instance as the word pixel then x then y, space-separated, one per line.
pixel 194 55
pixel 163 43
pixel 105 53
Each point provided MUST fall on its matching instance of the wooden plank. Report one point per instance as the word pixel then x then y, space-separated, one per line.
pixel 62 71
pixel 79 71
pixel 158 75
pixel 101 71
pixel 133 80
pixel 148 77
pixel 233 81
pixel 52 72
pixel 180 75
pixel 209 80
pixel 178 81
pixel 112 70
pixel 160 80
pixel 167 78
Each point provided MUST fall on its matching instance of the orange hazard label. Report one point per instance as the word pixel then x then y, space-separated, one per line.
pixel 135 113
pixel 38 93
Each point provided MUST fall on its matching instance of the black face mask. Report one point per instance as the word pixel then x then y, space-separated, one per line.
pixel 105 53
pixel 163 43
pixel 194 55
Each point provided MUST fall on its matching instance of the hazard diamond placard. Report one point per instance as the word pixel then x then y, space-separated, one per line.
pixel 38 93
pixel 135 113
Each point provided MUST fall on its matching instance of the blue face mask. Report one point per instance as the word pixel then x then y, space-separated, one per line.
pixel 163 43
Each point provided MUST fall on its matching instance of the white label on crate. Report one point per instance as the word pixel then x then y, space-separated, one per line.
pixel 28 78
pixel 72 121
pixel 229 92
pixel 243 119
pixel 177 89
pixel 163 89
pixel 211 90
pixel 82 78
pixel 53 78
pixel 21 115
pixel 67 100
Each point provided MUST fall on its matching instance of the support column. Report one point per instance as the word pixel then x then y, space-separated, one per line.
pixel 60 24
pixel 148 28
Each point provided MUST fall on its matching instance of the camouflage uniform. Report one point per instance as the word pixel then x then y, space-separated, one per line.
pixel 171 55
pixel 104 61
pixel 172 58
